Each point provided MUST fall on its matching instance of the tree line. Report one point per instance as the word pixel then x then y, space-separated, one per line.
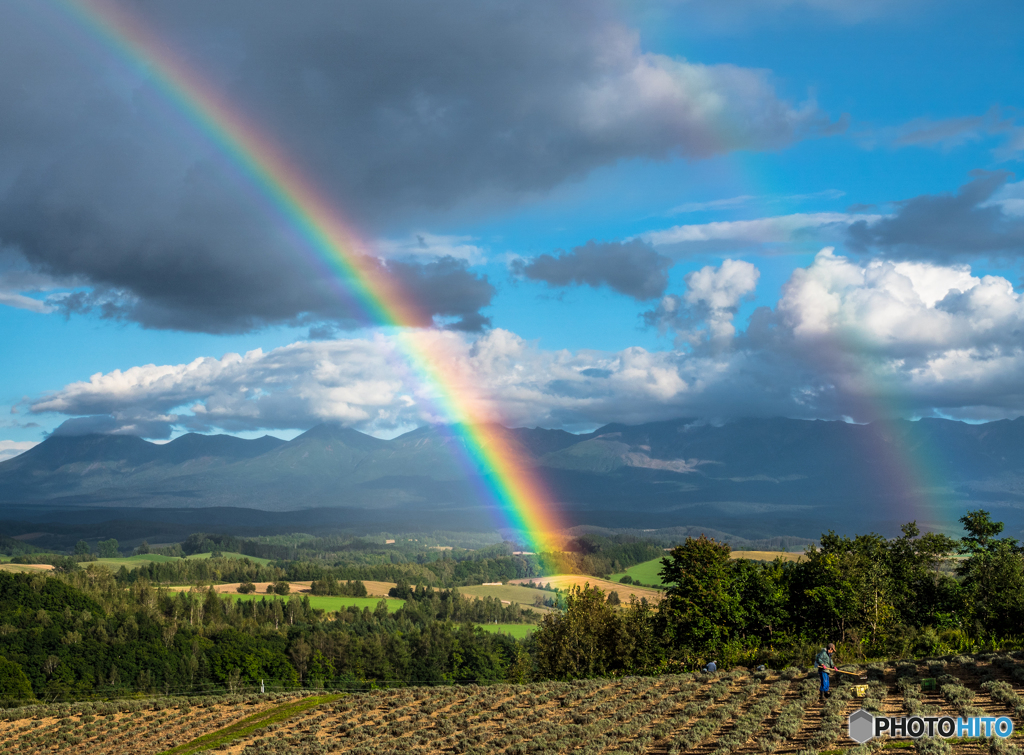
pixel 83 634
pixel 874 596
pixel 88 631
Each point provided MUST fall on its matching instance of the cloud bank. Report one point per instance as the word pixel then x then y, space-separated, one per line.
pixel 845 339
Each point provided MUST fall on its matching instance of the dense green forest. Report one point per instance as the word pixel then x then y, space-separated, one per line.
pixel 88 631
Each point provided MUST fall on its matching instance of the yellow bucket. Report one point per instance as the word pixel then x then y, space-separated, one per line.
pixel 860 689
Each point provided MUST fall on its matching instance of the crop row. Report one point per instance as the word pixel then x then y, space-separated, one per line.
pixel 125 726
pixel 491 717
pixel 587 718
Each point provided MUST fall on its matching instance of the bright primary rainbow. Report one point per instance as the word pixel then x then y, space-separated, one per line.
pixel 512 487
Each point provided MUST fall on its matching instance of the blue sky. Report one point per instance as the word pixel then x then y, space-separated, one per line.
pixel 522 169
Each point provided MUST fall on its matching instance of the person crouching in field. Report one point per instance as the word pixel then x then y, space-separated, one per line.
pixel 824 664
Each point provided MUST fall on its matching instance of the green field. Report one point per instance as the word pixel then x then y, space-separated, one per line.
pixel 519 631
pixel 229 554
pixel 330 602
pixel 645 573
pixel 524 596
pixel 132 562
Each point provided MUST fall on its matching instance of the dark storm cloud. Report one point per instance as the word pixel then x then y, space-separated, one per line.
pixel 947 226
pixel 446 288
pixel 630 267
pixel 396 110
pixel 222 301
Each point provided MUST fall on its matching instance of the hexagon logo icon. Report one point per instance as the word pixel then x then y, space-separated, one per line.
pixel 862 726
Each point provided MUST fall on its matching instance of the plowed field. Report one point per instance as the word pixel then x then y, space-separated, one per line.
pixel 735 712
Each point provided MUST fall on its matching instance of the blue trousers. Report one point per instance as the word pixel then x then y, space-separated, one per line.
pixel 823 675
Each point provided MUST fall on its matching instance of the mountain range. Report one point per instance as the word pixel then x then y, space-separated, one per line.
pixel 752 477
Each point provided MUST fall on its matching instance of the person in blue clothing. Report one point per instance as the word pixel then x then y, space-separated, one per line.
pixel 711 667
pixel 824 664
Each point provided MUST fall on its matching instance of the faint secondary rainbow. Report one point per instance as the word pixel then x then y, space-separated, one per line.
pixel 907 477
pixel 512 486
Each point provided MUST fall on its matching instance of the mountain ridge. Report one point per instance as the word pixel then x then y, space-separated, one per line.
pixel 762 477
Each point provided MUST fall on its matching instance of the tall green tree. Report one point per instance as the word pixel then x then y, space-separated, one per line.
pixel 981 532
pixel 701 610
pixel 922 593
pixel 764 593
pixel 991 577
pixel 584 641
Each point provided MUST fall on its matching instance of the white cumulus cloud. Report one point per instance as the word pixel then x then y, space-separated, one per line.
pixel 846 338
pixel 900 308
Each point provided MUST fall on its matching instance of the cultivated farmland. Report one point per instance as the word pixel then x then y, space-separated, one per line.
pixel 128 727
pixel 734 712
pixel 26 568
pixel 329 603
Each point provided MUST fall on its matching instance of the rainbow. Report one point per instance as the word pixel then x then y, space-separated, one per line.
pixel 511 487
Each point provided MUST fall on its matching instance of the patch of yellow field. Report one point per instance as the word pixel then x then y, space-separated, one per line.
pixel 565 581
pixel 378 589
pixel 26 567
pixel 373 589
pixel 768 555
